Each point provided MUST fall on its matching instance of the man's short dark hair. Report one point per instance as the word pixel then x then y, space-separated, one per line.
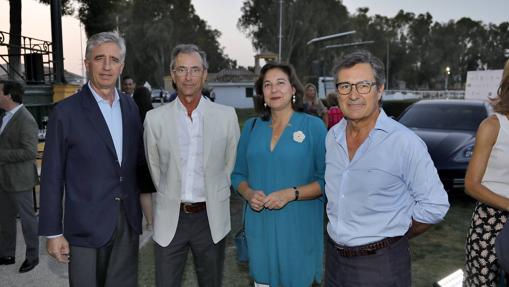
pixel 362 57
pixel 127 77
pixel 13 89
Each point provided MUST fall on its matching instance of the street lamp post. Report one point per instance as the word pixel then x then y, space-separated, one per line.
pixel 447 73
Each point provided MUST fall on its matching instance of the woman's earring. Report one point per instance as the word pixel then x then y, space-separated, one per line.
pixel 293 98
pixel 264 105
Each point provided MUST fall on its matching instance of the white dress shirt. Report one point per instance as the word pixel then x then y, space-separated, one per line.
pixel 8 116
pixel 190 139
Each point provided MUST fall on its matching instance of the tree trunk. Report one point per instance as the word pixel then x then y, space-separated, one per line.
pixel 15 40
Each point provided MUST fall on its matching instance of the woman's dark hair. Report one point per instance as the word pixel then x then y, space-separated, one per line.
pixel 143 99
pixel 501 102
pixel 260 108
pixel 332 99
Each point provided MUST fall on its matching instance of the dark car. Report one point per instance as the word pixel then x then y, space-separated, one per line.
pixel 448 128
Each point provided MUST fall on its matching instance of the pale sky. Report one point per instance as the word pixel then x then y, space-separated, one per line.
pixel 224 14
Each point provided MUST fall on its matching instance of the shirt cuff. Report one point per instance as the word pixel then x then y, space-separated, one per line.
pixel 53 236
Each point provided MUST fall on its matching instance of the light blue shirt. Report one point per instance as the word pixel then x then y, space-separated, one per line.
pixel 8 116
pixel 390 181
pixel 113 117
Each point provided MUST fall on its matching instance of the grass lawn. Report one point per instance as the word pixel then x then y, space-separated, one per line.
pixel 244 114
pixel 440 251
pixel 435 254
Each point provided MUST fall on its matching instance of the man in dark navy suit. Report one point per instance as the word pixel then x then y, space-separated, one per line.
pixel 88 182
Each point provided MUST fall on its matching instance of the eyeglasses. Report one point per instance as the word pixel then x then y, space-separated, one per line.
pixel 362 87
pixel 193 71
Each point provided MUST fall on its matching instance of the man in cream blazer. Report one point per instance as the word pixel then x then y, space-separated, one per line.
pixel 190 146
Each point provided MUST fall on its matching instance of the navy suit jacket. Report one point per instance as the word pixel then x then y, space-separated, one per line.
pixel 80 162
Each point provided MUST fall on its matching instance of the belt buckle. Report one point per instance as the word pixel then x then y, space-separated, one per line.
pixel 185 206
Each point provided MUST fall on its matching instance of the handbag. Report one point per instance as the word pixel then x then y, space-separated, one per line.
pixel 241 243
pixel 240 237
pixel 502 247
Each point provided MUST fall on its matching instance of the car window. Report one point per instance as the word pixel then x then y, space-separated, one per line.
pixel 445 117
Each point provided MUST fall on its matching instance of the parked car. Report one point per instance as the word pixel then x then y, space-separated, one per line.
pixel 448 128
pixel 158 94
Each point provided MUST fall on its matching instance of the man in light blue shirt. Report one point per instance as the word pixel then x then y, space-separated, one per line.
pixel 381 185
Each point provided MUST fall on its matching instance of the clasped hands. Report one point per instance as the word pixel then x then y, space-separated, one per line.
pixel 276 200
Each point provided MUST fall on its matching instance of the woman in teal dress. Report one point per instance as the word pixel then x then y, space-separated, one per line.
pixel 279 172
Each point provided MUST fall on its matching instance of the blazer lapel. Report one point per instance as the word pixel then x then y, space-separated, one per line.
pixel 208 128
pixel 126 131
pixel 170 119
pixel 12 122
pixel 94 115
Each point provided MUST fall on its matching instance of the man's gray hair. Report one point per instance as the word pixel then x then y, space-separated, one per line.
pixel 188 49
pixel 362 57
pixel 105 37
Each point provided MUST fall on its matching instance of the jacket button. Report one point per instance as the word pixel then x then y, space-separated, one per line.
pixel 117 198
pixel 121 179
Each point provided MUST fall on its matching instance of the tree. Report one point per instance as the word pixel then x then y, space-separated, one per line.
pixel 303 21
pixel 153 28
pixel 101 16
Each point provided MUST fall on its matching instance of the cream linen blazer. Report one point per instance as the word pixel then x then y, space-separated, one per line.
pixel 220 138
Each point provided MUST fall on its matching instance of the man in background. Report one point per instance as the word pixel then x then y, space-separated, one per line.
pixel 18 176
pixel 128 86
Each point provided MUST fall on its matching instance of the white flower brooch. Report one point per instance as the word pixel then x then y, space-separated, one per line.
pixel 299 136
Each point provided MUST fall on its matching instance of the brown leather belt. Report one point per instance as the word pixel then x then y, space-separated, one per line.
pixel 365 250
pixel 193 207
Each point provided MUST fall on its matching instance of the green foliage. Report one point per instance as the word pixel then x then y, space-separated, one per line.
pixel 153 28
pixel 302 21
pixel 67 6
pixel 100 16
pixel 416 48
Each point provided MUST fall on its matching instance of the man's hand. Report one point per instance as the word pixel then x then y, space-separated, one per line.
pixel 278 199
pixel 417 228
pixel 58 248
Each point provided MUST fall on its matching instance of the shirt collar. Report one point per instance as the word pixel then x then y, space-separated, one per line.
pixel 199 108
pixel 14 110
pixel 99 99
pixel 383 123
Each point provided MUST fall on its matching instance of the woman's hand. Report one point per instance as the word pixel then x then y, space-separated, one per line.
pixel 256 199
pixel 279 199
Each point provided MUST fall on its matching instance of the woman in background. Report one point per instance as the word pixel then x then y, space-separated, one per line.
pixel 487 180
pixel 334 113
pixel 143 99
pixel 279 171
pixel 313 105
